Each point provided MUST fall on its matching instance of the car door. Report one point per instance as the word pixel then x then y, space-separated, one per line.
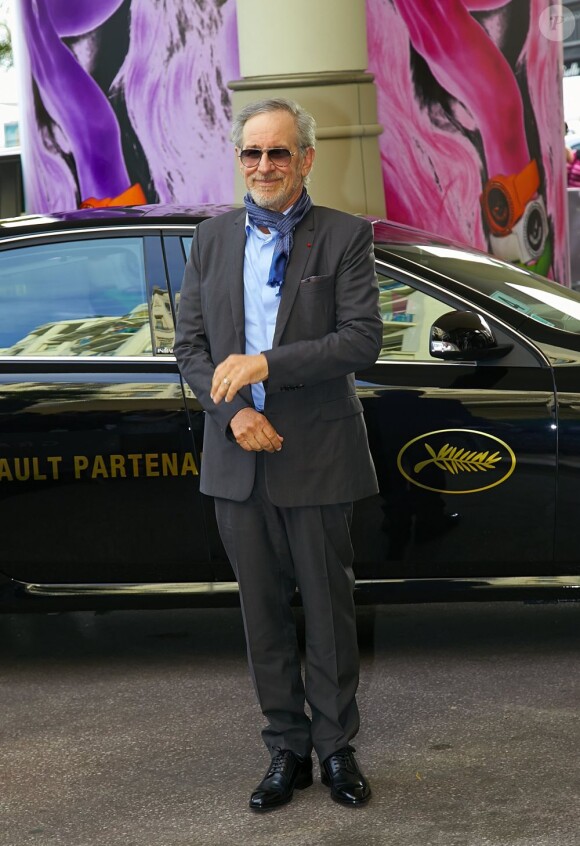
pixel 176 245
pixel 98 469
pixel 465 452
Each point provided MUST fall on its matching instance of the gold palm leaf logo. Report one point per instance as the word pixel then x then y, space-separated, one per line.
pixel 456 460
pixel 468 467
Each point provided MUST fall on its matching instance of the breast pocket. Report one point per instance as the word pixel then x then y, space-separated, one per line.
pixel 314 308
pixel 316 284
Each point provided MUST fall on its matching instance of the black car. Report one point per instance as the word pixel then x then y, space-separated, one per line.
pixel 473 413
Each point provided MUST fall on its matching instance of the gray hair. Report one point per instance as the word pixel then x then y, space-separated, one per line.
pixel 305 123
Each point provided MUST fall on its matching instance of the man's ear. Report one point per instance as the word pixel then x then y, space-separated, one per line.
pixel 308 161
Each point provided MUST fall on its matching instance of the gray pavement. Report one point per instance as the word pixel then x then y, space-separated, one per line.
pixel 141 729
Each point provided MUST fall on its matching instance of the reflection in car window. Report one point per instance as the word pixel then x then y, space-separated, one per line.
pixel 82 298
pixel 407 317
pixel 525 292
pixel 186 242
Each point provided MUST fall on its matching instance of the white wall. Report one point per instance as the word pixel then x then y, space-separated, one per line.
pixel 571 92
pixel 8 85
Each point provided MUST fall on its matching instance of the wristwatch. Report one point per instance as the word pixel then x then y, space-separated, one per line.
pixel 504 198
pixel 527 239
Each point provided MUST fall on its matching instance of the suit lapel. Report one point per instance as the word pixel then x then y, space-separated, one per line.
pixel 235 278
pixel 303 238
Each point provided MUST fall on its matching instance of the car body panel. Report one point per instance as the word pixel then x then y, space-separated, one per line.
pixel 443 518
pixel 99 475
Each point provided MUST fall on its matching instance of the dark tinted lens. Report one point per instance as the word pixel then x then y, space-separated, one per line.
pixel 250 158
pixel 277 155
pixel 280 156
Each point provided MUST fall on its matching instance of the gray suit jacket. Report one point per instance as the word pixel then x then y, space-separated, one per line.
pixel 328 326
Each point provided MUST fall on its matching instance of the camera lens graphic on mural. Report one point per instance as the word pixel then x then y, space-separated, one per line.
pixel 498 207
pixel 535 229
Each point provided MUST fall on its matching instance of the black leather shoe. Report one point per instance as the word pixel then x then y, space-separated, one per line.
pixel 347 784
pixel 286 772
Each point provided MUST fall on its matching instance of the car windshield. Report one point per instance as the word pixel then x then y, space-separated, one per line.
pixel 527 293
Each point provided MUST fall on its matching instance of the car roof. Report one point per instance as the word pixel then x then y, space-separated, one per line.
pixel 386 232
pixel 123 215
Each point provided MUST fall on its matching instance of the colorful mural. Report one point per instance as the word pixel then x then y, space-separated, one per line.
pixel 127 100
pixel 469 96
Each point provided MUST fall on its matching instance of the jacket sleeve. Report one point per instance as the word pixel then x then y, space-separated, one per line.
pixel 357 339
pixel 192 346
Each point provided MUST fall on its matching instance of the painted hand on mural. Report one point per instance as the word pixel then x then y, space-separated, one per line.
pixel 73 99
pixel 470 66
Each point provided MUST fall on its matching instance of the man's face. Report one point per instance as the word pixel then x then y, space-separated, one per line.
pixel 273 186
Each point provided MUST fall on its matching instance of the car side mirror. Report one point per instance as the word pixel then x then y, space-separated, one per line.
pixel 464 336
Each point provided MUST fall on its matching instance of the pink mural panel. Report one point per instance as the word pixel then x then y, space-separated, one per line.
pixel 469 95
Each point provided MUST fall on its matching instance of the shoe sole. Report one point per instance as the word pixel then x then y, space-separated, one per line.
pixel 302 782
pixel 351 803
pixel 355 803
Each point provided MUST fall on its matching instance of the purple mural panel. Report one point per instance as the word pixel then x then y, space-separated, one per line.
pixel 469 95
pixel 127 101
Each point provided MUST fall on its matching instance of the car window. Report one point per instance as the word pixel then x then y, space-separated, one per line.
pixel 525 292
pixel 82 297
pixel 187 241
pixel 407 317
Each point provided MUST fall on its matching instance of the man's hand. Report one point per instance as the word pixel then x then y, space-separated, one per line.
pixel 254 432
pixel 236 372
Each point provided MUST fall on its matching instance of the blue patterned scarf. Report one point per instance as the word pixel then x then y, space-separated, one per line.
pixel 284 224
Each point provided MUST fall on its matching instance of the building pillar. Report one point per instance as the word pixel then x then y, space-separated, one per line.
pixel 315 52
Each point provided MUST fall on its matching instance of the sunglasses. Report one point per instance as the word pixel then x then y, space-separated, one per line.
pixel 279 156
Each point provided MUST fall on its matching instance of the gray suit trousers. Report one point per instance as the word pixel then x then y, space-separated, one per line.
pixel 272 551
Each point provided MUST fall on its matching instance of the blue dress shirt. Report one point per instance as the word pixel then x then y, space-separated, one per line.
pixel 260 300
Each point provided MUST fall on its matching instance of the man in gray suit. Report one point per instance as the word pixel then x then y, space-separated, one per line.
pixel 279 307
